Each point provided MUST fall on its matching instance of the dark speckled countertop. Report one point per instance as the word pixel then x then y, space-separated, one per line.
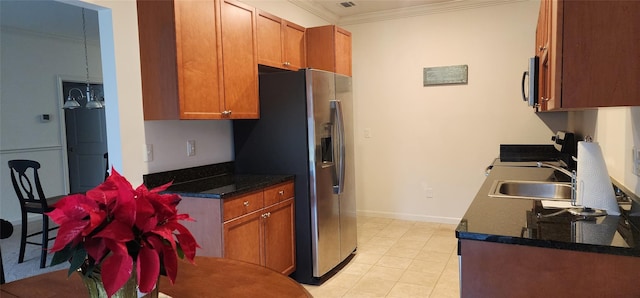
pixel 215 181
pixel 525 222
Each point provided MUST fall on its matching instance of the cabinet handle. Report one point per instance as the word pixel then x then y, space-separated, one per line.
pixel 542 48
pixel 544 99
pixel 246 203
pixel 281 193
pixel 286 63
pixel 226 113
pixel 268 214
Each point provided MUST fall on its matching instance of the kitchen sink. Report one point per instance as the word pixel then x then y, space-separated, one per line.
pixel 533 190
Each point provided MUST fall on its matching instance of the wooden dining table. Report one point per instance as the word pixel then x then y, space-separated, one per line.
pixel 209 277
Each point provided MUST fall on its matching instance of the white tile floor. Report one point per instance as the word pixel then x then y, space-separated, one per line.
pixel 397 258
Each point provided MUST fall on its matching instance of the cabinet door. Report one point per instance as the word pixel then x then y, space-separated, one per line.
pixel 179 59
pixel 197 60
pixel 240 63
pixel 343 51
pixel 279 237
pixel 243 238
pixel 600 53
pixel 295 56
pixel 329 48
pixel 269 39
pixel 549 49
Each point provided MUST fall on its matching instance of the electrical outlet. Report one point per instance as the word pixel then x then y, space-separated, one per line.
pixel 191 147
pixel 148 153
pixel 367 133
pixel 428 192
pixel 636 160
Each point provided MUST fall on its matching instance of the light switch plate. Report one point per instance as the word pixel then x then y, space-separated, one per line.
pixel 191 147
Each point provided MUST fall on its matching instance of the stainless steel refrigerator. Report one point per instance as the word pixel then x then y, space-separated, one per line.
pixel 306 129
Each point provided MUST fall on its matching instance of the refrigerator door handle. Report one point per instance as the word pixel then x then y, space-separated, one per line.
pixel 341 146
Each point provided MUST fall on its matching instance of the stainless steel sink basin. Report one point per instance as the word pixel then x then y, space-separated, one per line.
pixel 533 190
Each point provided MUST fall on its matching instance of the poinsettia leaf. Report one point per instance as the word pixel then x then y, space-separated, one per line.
pixel 96 248
pixel 116 268
pixel 169 259
pixel 116 230
pixel 160 188
pixel 62 255
pixel 187 244
pixel 78 258
pixel 148 268
pixel 67 232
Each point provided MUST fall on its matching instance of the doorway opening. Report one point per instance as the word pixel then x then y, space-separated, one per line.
pixel 86 135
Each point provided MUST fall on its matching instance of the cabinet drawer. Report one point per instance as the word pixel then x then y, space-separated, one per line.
pixel 239 206
pixel 278 193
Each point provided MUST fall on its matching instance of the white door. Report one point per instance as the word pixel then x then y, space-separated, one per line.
pixel 86 140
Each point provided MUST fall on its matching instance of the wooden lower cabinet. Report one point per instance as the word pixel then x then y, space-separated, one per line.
pixel 258 227
pixel 243 238
pixel 489 269
pixel 279 245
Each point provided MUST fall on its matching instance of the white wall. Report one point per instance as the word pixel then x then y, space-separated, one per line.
pixel 440 139
pixel 31 64
pixel 617 130
pixel 213 139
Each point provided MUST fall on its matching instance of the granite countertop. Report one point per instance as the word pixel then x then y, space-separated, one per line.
pixel 216 181
pixel 225 186
pixel 526 222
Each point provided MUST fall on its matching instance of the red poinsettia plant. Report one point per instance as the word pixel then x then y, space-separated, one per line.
pixel 113 225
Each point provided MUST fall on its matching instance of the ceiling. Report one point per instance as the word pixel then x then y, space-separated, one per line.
pixel 61 19
pixel 48 17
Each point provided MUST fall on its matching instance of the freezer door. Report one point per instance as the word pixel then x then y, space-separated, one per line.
pixel 325 207
pixel 348 225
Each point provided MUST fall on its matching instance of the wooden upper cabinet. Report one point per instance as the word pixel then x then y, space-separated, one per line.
pixel 186 61
pixel 593 56
pixel 179 59
pixel 329 48
pixel 281 43
pixel 239 60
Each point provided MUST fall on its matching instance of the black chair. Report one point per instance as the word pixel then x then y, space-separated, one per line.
pixel 106 162
pixel 24 176
pixel 6 230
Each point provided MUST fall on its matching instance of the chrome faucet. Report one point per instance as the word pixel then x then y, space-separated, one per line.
pixel 572 174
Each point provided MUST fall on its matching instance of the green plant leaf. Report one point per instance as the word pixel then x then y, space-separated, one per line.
pixel 78 258
pixel 61 256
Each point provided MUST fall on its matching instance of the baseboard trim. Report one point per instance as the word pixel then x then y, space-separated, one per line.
pixel 413 217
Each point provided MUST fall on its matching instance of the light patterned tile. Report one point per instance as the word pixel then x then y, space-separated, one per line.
pixel 356 268
pixel 372 248
pixel 441 243
pixel 409 243
pixel 374 286
pixel 394 262
pixel 433 255
pixel 393 232
pixel 403 290
pixel 367 258
pixel 385 264
pixel 386 273
pixel 427 279
pixel 343 280
pixel 417 235
pixel 427 266
pixel 328 291
pixel 381 241
pixel 402 252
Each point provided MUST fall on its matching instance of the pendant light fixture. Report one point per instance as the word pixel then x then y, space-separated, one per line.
pixel 92 101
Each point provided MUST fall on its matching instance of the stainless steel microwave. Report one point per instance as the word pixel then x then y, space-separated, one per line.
pixel 530 83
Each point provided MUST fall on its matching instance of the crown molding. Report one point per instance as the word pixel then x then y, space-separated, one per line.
pixel 427 9
pixel 317 10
